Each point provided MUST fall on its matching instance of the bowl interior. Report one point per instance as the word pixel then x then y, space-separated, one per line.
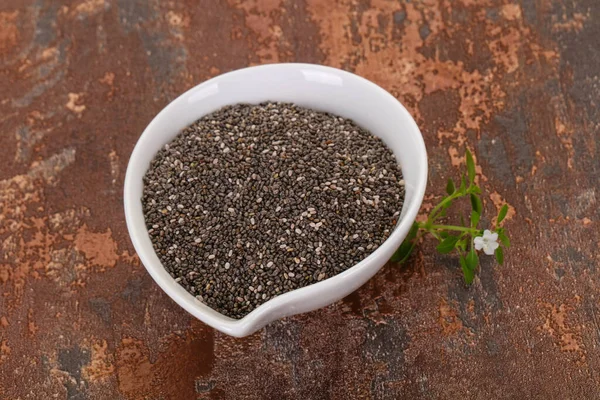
pixel 316 87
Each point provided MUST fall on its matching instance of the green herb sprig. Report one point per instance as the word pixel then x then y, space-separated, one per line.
pixel 466 239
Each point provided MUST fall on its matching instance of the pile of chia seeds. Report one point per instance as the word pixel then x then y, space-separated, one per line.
pixel 253 201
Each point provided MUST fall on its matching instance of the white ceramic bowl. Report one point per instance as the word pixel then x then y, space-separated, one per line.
pixel 313 86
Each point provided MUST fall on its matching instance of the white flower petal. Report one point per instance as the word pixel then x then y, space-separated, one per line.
pixel 493 237
pixel 488 250
pixel 493 245
pixel 479 243
pixel 487 234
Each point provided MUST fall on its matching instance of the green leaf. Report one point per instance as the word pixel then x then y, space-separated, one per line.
pixel 450 188
pixel 447 204
pixel 407 245
pixel 412 233
pixel 467 273
pixel 470 166
pixel 475 216
pixel 403 252
pixel 463 186
pixel 447 245
pixel 444 234
pixel 476 203
pixel 499 255
pixel 462 244
pixel 502 214
pixel 475 189
pixel 472 260
pixel 504 239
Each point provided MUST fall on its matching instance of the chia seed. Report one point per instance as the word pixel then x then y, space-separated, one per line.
pixel 253 201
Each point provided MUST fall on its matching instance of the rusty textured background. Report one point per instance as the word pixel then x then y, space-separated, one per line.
pixel 517 82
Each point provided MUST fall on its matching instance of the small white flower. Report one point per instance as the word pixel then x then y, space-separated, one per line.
pixel 488 242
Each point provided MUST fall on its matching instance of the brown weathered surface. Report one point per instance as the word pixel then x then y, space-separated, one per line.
pixel 518 83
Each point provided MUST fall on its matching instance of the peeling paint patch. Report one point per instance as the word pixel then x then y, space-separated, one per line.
pixel 448 319
pixel 454 157
pixel 99 248
pixel 134 369
pixel 556 324
pixel 511 12
pixel 73 103
pixel 570 25
pixel 101 365
pixel 88 8
pixel 499 202
pixel 9 33
pixel 17 195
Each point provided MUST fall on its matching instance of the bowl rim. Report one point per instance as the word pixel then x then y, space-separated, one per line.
pixel 246 325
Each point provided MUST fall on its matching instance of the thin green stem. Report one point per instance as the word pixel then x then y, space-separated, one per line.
pixel 472 231
pixel 433 212
pixel 434 234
